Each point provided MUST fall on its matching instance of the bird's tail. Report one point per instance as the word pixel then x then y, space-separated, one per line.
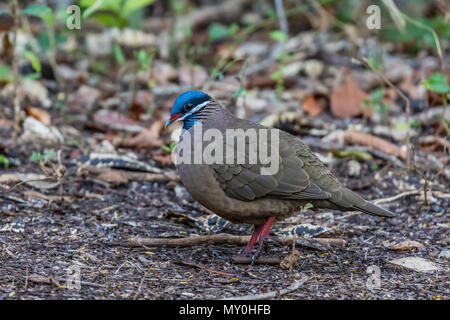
pixel 349 200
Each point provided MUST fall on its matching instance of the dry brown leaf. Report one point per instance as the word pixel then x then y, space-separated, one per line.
pixel 314 104
pixel 416 263
pixel 192 76
pixel 407 245
pixel 85 98
pixel 346 99
pixel 165 159
pixel 117 121
pixel 112 176
pixel 367 140
pixel 39 114
pixel 147 138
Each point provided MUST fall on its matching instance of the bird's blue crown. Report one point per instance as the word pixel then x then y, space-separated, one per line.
pixel 184 107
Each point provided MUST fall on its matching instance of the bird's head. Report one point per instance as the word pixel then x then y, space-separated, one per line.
pixel 186 106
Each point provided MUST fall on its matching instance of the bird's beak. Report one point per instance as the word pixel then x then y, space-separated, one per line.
pixel 173 118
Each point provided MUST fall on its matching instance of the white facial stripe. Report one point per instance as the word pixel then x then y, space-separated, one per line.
pixel 196 108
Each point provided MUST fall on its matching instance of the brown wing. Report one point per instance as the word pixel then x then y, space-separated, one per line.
pixel 291 181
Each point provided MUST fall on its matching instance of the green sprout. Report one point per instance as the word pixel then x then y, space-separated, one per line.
pixel 438 83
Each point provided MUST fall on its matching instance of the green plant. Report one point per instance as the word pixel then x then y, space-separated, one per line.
pixel 41 158
pixel 46 14
pixel 4 160
pixel 376 103
pixel 438 83
pixel 219 31
pixel 171 146
pixel 278 75
pixel 115 13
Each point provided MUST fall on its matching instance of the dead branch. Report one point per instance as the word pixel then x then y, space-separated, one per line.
pixel 259 260
pixel 199 266
pixel 15 65
pixel 365 139
pixel 221 238
pixel 273 294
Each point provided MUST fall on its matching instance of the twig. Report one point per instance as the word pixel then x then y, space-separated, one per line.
pixel 273 294
pixel 396 15
pixel 199 266
pixel 259 260
pixel 279 8
pixel 408 110
pixel 396 197
pixel 221 238
pixel 140 283
pixel 16 102
pixel 435 37
pixel 224 238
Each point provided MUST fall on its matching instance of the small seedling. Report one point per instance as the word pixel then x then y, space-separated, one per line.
pixel 171 146
pixel 438 83
pixel 41 158
pixel 4 160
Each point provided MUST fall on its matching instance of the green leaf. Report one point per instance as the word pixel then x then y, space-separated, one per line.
pixel 170 147
pixel 118 54
pixel 437 82
pixel 241 92
pixel 92 7
pixel 217 31
pixel 4 160
pixel 36 157
pixel 6 74
pixel 377 95
pixel 34 59
pixel 279 35
pixel 42 11
pixel 132 5
pixel 401 126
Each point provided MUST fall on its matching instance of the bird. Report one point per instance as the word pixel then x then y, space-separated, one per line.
pixel 239 191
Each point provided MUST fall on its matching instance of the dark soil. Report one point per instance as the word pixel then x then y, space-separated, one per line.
pixel 91 231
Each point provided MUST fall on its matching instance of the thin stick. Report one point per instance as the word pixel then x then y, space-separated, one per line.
pixel 408 110
pixel 273 294
pixel 259 260
pixel 221 238
pixel 16 102
pixel 199 266
pixel 398 196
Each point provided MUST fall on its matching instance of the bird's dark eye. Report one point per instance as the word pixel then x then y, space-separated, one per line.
pixel 188 106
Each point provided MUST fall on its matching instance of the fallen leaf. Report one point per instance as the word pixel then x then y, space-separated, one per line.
pixel 5 124
pixel 193 76
pixel 85 98
pixel 165 159
pixel 147 138
pixel 34 130
pixel 112 176
pixel 314 104
pixel 340 138
pixel 406 245
pixel 416 263
pixel 39 114
pixel 346 99
pixel 38 181
pixel 164 73
pixel 116 121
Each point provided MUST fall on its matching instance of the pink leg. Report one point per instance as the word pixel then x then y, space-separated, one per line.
pixel 263 234
pixel 248 248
